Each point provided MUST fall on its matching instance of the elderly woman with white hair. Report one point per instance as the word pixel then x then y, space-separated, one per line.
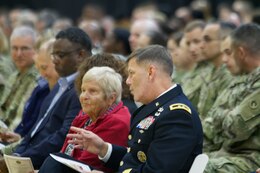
pixel 103 113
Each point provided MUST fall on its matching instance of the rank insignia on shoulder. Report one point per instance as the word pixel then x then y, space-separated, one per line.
pixel 180 106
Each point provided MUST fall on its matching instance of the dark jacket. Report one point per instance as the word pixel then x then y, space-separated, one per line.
pixel 32 107
pixel 50 135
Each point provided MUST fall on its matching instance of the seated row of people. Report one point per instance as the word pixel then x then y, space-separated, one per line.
pixel 222 126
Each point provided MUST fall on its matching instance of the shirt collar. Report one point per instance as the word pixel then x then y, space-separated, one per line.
pixel 42 82
pixel 65 81
pixel 173 86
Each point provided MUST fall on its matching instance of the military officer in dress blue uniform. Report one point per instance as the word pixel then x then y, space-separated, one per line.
pixel 166 133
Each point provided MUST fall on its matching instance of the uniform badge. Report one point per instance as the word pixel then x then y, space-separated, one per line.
pixel 253 104
pixel 180 106
pixel 161 109
pixel 145 123
pixel 127 170
pixel 141 156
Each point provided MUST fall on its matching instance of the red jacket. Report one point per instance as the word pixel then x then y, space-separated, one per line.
pixel 113 128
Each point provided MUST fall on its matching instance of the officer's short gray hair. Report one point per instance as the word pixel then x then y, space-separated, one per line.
pixel 24 31
pixel 154 54
pixel 247 36
pixel 106 77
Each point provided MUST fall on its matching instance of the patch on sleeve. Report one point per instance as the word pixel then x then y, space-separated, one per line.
pixel 180 106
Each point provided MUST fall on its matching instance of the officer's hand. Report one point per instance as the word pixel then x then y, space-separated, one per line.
pixel 88 140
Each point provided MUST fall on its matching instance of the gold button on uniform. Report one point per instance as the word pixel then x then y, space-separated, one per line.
pixel 128 149
pixel 139 140
pixel 129 137
pixel 121 163
pixel 141 156
pixel 127 170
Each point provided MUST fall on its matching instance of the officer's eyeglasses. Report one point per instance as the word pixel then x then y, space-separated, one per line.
pixel 61 55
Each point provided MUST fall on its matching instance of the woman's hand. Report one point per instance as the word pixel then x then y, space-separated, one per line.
pixel 88 140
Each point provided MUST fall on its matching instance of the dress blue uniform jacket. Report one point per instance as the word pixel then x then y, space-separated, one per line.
pixel 165 137
pixel 51 133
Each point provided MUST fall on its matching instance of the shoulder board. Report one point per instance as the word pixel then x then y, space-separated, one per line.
pixel 180 106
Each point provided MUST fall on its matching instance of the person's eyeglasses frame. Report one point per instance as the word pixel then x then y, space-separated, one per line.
pixel 62 55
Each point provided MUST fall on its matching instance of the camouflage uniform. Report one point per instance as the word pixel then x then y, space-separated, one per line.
pixel 13 99
pixel 6 65
pixel 178 75
pixel 6 68
pixel 194 79
pixel 219 80
pixel 238 129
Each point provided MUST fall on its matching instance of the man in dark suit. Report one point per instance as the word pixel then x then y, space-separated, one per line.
pixel 165 134
pixel 62 105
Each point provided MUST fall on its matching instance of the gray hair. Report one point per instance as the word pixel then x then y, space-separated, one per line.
pixel 108 80
pixel 24 31
pixel 247 36
pixel 154 54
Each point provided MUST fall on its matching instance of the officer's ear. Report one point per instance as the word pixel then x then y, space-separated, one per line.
pixel 151 71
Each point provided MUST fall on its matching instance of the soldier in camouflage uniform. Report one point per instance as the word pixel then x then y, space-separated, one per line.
pixel 21 81
pixel 193 80
pixel 232 128
pixel 220 77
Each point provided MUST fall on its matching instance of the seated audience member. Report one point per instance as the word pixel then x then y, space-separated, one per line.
pixel 165 133
pixel 182 61
pixel 103 113
pixel 46 82
pixel 140 26
pixel 219 77
pixel 193 81
pixel 95 31
pixel 21 81
pixel 118 65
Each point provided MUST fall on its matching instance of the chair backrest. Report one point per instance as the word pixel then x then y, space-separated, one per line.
pixel 199 164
